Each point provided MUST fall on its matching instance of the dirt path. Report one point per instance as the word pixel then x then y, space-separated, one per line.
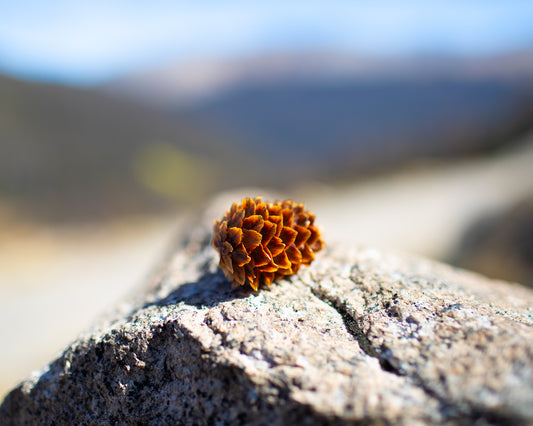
pixel 424 211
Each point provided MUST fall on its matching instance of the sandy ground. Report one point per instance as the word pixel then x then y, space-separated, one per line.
pixel 423 211
pixel 54 282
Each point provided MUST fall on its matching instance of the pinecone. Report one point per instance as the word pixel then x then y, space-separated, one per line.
pixel 260 241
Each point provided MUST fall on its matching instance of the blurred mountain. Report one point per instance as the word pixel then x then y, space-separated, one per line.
pixel 330 114
pixel 198 81
pixel 70 153
pixel 174 134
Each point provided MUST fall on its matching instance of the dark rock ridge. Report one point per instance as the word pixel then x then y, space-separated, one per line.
pixel 500 245
pixel 361 336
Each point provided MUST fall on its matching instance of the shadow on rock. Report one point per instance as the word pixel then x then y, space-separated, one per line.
pixel 208 291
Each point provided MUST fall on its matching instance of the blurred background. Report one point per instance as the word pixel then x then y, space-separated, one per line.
pixel 402 125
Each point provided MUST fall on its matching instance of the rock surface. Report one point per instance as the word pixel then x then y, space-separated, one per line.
pixel 361 336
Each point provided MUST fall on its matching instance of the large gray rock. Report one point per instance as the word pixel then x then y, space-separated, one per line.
pixel 361 336
pixel 500 245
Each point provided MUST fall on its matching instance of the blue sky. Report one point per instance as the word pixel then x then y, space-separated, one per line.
pixel 90 42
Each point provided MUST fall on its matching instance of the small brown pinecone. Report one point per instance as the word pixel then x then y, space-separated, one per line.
pixel 260 241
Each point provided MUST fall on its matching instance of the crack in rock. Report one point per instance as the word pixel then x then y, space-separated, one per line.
pixel 448 408
pixel 353 328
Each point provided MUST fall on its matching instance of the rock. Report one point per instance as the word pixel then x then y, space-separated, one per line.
pixel 501 245
pixel 361 336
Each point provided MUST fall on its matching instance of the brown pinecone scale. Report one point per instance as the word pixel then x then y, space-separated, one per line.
pixel 261 241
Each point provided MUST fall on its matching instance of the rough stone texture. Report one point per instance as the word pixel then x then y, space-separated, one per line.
pixel 361 336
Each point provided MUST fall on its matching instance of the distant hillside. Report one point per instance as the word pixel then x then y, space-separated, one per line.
pixel 173 135
pixel 333 114
pixel 353 127
pixel 67 153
